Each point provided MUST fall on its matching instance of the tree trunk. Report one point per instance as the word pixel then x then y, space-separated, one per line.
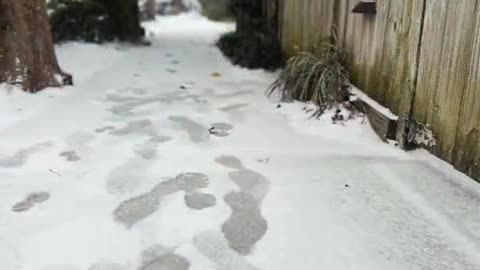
pixel 27 55
pixel 178 6
pixel 151 9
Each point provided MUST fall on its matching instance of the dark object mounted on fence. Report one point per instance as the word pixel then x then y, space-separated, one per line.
pixel 366 7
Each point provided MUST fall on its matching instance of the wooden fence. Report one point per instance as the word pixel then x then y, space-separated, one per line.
pixel 413 56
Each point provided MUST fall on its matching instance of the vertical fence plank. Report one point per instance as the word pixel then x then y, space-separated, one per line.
pixel 467 146
pixel 442 82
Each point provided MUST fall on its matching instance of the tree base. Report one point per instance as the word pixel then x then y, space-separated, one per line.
pixel 253 50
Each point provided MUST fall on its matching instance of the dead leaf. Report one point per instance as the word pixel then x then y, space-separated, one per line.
pixel 216 74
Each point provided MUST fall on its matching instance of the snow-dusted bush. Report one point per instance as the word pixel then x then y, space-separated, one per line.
pixel 321 78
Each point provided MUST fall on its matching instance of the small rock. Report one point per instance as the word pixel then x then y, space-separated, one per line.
pixel 216 74
pixel 280 105
pixel 346 185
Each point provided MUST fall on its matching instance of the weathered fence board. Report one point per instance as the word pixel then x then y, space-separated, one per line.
pixel 466 153
pixel 444 74
pixel 301 29
pixel 419 56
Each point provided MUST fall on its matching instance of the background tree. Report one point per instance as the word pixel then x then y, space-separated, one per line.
pixel 216 9
pixel 150 7
pixel 97 20
pixel 255 42
pixel 27 55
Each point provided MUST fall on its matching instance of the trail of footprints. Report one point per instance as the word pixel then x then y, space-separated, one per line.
pixel 226 248
pixel 239 233
pixel 246 225
pixel 138 208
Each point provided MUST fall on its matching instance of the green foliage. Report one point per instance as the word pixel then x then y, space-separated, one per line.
pixel 321 77
pixel 216 10
pixel 96 20
pixel 252 50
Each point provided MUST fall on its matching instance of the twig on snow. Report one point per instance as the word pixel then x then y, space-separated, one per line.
pixel 55 172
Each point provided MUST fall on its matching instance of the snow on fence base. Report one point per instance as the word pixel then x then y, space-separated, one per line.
pixel 382 120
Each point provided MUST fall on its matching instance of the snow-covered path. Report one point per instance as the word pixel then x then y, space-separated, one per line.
pixel 121 173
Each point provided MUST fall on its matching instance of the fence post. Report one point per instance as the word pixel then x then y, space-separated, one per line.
pixel 406 111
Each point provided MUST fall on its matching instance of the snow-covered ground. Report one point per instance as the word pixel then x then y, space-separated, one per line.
pixel 120 172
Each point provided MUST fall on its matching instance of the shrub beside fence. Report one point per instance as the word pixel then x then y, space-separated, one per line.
pixel 419 58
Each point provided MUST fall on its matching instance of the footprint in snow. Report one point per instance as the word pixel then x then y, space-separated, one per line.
pixel 220 129
pixel 70 155
pixel 30 201
pixel 106 266
pixel 159 257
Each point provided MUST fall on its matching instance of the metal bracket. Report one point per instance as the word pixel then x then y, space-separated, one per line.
pixel 366 8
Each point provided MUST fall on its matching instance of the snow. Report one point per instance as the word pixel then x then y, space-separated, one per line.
pixel 333 196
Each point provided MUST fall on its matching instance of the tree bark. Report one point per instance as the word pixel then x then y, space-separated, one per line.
pixel 151 9
pixel 27 55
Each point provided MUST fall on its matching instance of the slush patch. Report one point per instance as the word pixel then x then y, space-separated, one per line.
pixel 30 201
pixel 136 209
pixel 246 225
pixel 214 246
pixel 19 158
pixel 148 150
pixel 250 182
pixel 127 177
pixel 103 129
pixel 233 107
pixel 167 262
pixel 106 266
pixel 70 155
pixel 220 129
pixel 199 201
pixel 137 126
pixel 196 132
pixel 230 162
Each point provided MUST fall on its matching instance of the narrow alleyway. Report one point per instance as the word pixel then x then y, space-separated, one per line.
pixel 168 157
